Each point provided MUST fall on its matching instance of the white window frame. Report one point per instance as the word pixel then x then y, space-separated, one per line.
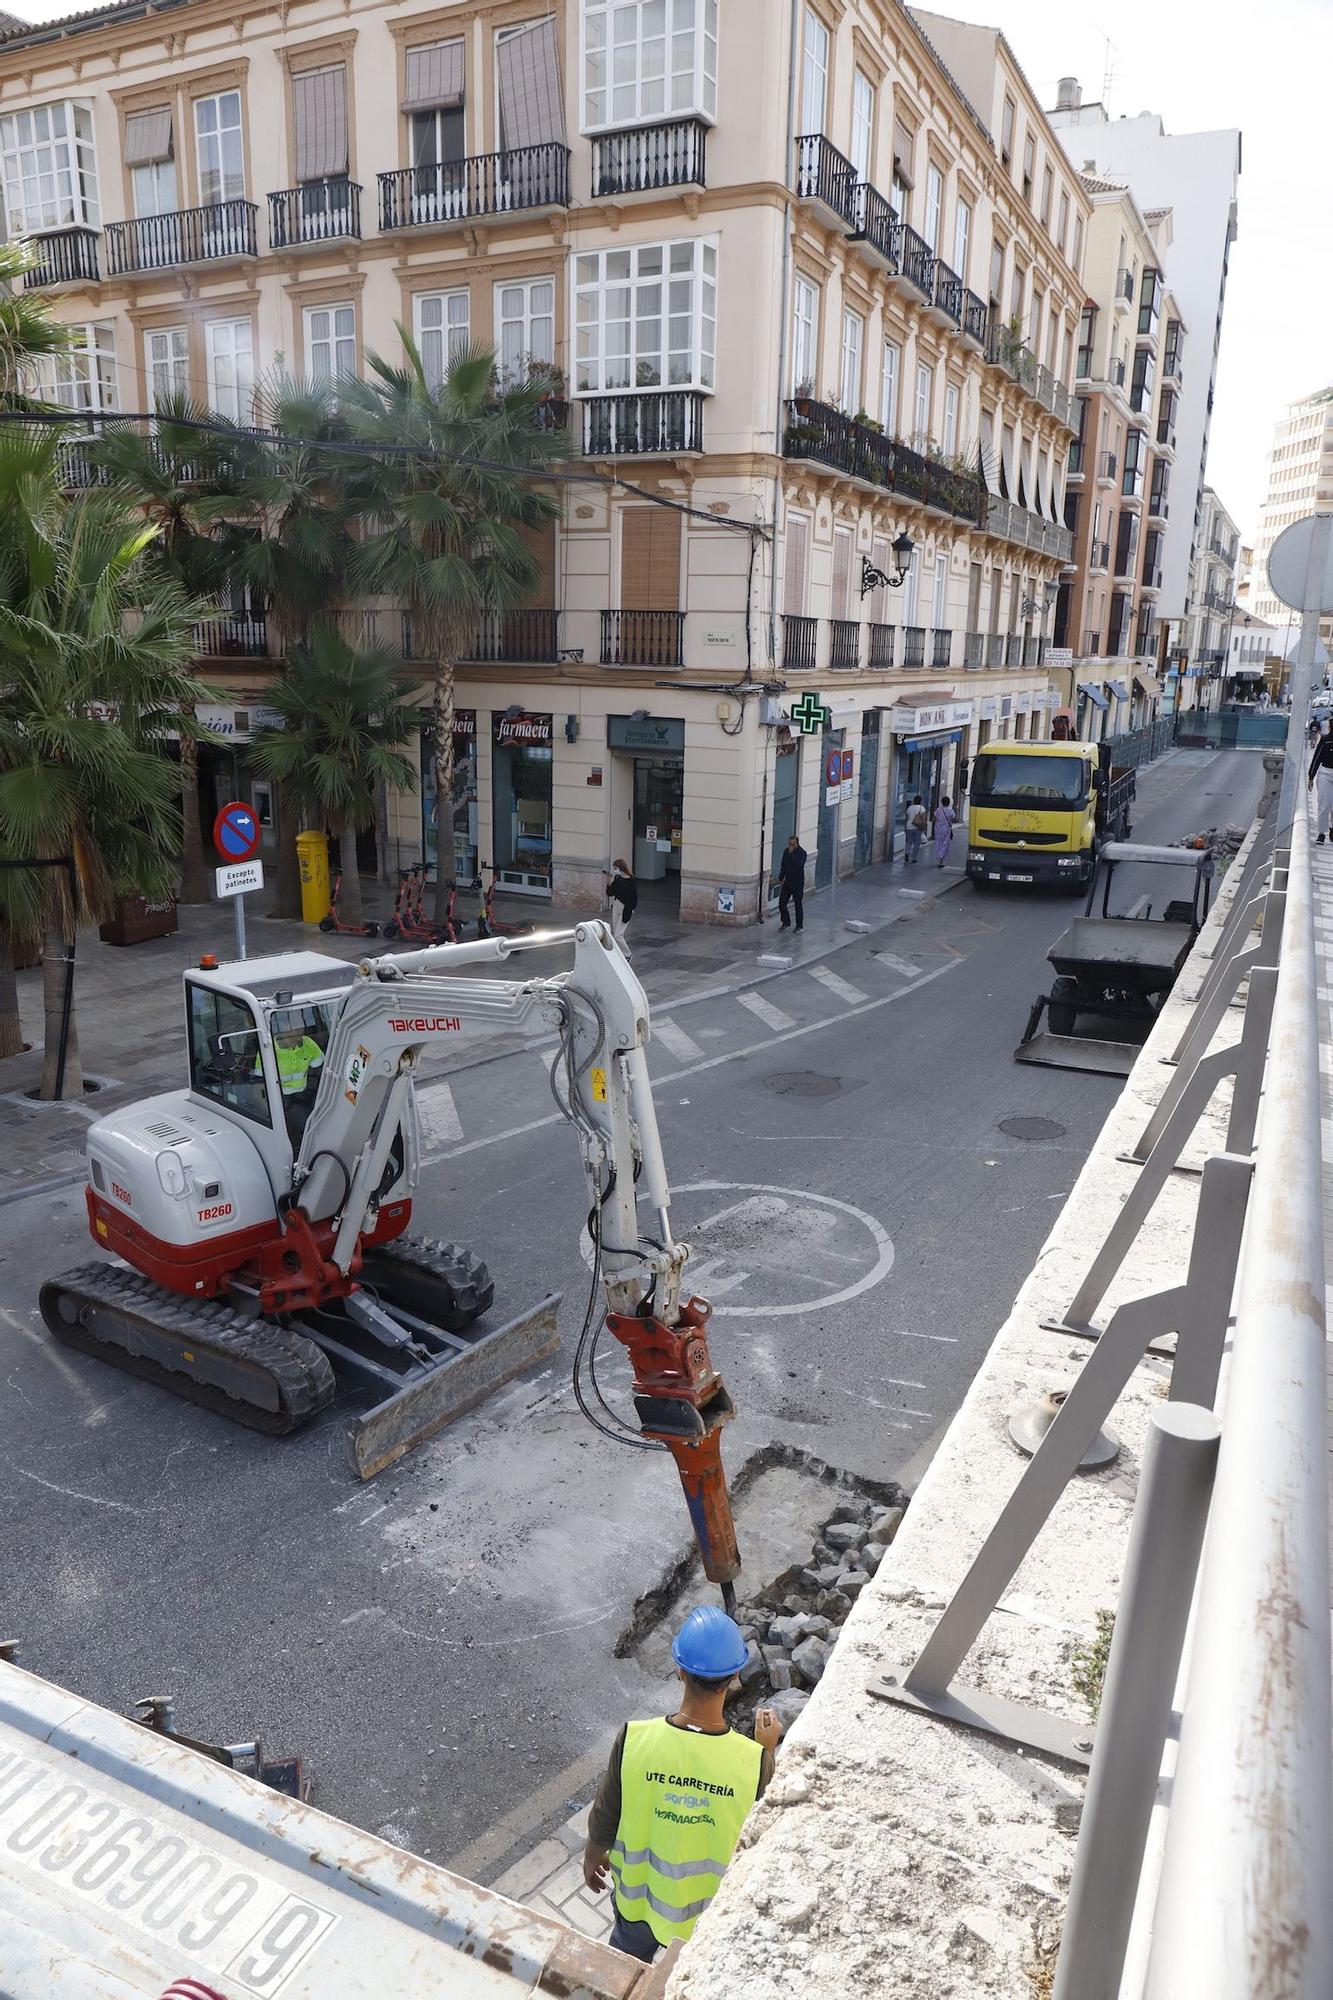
pixel 814 73
pixel 806 299
pixel 603 357
pixel 83 378
pixel 674 74
pixel 232 187
pixel 440 341
pixel 890 378
pixel 850 350
pixel 934 207
pixel 167 371
pixel 1062 221
pixel 48 168
pixel 939 591
pixel 863 124
pixel 535 317
pixel 949 426
pixel 155 191
pixel 234 399
pixel 340 361
pixel 921 402
pixel 962 237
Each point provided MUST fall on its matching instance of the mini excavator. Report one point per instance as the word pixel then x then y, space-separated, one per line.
pixel 260 1217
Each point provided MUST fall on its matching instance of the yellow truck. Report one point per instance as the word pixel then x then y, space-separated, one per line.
pixel 1037 812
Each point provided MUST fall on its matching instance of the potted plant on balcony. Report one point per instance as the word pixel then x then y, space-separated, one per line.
pixel 803 396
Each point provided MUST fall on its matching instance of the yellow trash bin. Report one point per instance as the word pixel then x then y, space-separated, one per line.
pixel 312 851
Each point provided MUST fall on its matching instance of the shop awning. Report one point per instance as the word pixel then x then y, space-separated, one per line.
pixel 1247 673
pixel 1144 687
pixel 935 741
pixel 1119 689
pixel 1094 694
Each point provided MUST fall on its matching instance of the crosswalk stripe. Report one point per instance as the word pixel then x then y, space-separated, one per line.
pixel 437 1115
pixel 903 965
pixel 671 1037
pixel 764 1010
pixel 842 987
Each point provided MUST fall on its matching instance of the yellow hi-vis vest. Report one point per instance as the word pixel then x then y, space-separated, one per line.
pixel 683 1802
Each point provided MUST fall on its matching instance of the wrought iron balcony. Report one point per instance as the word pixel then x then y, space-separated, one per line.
pixel 974 649
pixel 220 233
pixel 800 644
pixel 918 262
pixel 994 649
pixel 525 177
pixel 653 421
pixel 949 292
pixel 1033 531
pixel 914 645
pixel 650 156
pixel 1007 350
pixel 324 211
pixel 517 638
pixel 240 635
pixel 1034 651
pixel 976 318
pixel 829 437
pixel 881 648
pixel 877 226
pixel 64 257
pixel 1013 649
pixel 643 638
pixel 826 176
pixel 1222 552
pixel 941 646
pixel 844 644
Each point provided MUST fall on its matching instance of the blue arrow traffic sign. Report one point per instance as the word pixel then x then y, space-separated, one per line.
pixel 236 832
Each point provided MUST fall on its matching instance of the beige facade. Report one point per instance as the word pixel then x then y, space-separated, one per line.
pixel 811 331
pixel 1213 611
pixel 1300 482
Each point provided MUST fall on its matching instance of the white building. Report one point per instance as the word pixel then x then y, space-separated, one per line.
pixel 1212 597
pixel 1194 174
pixel 1300 482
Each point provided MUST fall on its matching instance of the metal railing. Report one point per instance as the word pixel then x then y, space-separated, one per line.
pixel 643 638
pixel 949 291
pixel 487 184
pixel 64 257
pixel 800 644
pixel 941 646
pixel 877 226
pixel 881 646
pixel 518 637
pixel 640 425
pixel 825 175
pixel 994 649
pixel 673 154
pixel 1099 555
pixel 976 318
pixel 974 649
pixel 220 231
pixel 317 212
pixel 914 645
pixel 816 431
pixel 844 644
pixel 240 635
pixel 918 262
pixel 1108 466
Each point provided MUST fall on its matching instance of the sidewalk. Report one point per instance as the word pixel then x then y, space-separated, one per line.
pixel 131 1025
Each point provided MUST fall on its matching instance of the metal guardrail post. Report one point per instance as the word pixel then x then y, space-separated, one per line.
pixel 1170 1513
pixel 1244 1906
pixel 1247 1056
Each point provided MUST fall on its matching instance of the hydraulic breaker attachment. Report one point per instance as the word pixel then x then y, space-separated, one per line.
pixel 682 1403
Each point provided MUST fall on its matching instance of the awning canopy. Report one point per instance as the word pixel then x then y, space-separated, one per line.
pixel 1119 689
pixel 1094 694
pixel 1144 687
pixel 1247 673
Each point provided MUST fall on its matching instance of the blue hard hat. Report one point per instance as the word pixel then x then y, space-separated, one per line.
pixel 709 1645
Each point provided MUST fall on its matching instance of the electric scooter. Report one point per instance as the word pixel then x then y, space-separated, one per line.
pixel 334 920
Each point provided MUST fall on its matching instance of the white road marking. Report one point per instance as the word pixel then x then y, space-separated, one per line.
pixel 437 1115
pixel 698 1275
pixel 903 965
pixel 881 1267
pixel 899 1383
pixel 949 1339
pixel 764 1010
pixel 835 984
pixel 671 1037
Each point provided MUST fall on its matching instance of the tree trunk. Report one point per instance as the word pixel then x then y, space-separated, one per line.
pixel 57 962
pixel 11 1027
pixel 286 901
pixel 442 724
pixel 350 907
pixel 195 884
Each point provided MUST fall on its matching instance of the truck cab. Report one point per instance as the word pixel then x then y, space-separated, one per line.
pixel 1035 813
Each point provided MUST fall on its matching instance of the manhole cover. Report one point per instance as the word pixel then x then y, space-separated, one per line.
pixel 1032 1128
pixel 802 1083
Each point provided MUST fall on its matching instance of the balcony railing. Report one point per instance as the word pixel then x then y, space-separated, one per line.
pixel 949 291
pixel 800 645
pixel 516 637
pixel 844 644
pixel 1171 364
pixel 639 425
pixel 914 645
pixel 974 649
pixel 881 647
pixel 525 177
pixel 1013 649
pixel 241 635
pixel 918 262
pixel 825 175
pixel 1159 507
pixel 1152 579
pixel 1108 466
pixel 829 437
pixel 994 649
pixel 317 212
pixel 643 638
pixel 1092 645
pixel 1124 287
pixel 1008 350
pixel 1016 524
pixel 64 257
pixel 1166 434
pixel 1099 555
pixel 1034 651
pixel 941 646
pixel 1222 552
pixel 650 156
pixel 976 318
pixel 877 225
pixel 1116 374
pixel 223 231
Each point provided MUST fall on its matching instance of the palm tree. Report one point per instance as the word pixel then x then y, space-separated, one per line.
pixel 344 725
pixel 94 652
pixel 441 522
pixel 28 328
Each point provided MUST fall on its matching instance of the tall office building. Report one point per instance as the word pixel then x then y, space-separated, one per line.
pixel 1300 482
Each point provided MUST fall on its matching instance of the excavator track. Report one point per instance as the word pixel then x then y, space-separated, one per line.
pixel 442 1283
pixel 269 1377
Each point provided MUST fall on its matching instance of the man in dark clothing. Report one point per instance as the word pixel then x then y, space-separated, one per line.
pixel 1321 781
pixel 623 891
pixel 791 884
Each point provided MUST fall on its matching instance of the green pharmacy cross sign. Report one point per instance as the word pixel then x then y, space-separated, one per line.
pixel 810 714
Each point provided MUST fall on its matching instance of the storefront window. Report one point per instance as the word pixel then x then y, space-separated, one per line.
pixel 465 797
pixel 786 786
pixel 521 773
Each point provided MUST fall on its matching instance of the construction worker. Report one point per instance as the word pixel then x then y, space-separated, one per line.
pixel 297 1054
pixel 675 1794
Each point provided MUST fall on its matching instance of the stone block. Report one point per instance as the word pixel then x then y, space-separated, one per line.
pixel 810 1658
pixel 788 1705
pixel 853 1583
pixel 842 1535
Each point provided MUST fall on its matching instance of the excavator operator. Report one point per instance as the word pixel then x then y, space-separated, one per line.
pixel 299 1058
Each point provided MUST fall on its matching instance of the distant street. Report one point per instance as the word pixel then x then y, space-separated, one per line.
pixel 846 1144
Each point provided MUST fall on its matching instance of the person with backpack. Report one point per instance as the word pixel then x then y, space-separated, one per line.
pixel 916 829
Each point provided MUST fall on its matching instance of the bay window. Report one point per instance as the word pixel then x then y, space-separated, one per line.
pixel 441 329
pixel 645 318
pixel 645 60
pixel 84 377
pixel 48 169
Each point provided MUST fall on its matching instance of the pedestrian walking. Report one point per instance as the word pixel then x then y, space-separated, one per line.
pixel 945 817
pixel 915 830
pixel 675 1795
pixel 624 893
pixel 1321 781
pixel 791 884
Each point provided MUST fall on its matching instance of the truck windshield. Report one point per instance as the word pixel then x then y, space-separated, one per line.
pixel 1050 782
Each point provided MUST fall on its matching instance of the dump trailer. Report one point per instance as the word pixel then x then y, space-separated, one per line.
pixel 1038 812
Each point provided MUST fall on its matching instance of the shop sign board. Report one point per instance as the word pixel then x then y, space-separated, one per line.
pixel 726 902
pixel 1059 656
pixel 649 734
pixel 523 729
pixel 909 721
pixel 990 708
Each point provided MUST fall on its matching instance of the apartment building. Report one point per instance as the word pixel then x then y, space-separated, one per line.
pixel 1300 482
pixel 1213 609
pixel 784 276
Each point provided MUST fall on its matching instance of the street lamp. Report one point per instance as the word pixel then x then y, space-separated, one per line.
pixel 1032 605
pixel 904 548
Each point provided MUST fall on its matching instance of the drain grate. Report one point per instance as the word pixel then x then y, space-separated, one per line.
pixel 802 1083
pixel 1032 1128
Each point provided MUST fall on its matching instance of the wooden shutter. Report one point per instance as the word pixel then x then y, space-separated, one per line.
pixel 793 580
pixel 541 543
pixel 319 112
pixel 842 571
pixel 528 76
pixel 650 559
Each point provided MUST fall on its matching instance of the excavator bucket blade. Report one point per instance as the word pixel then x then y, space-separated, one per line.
pixel 448 1387
pixel 1079 1052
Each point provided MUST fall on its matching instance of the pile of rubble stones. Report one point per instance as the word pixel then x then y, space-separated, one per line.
pixel 1222 840
pixel 791 1626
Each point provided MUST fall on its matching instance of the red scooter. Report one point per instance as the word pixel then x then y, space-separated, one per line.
pixel 488 924
pixel 409 919
pixel 335 922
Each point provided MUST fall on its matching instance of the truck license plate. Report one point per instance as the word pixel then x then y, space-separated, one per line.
pixel 1020 878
